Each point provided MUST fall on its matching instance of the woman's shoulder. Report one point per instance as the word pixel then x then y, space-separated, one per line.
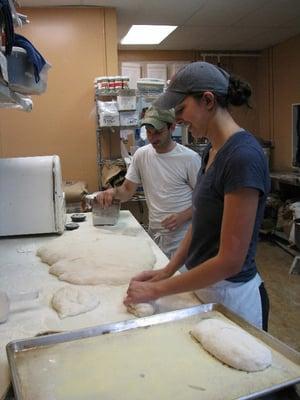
pixel 244 145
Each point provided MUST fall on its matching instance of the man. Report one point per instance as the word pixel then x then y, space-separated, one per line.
pixel 168 172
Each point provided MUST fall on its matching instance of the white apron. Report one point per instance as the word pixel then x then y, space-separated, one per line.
pixel 168 241
pixel 243 298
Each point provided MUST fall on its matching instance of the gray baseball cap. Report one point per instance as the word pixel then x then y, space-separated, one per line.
pixel 193 78
pixel 158 118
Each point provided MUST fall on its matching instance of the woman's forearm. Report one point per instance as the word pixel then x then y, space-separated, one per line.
pixel 205 274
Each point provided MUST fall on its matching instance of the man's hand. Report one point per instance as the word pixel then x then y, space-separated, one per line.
pixel 172 222
pixel 105 198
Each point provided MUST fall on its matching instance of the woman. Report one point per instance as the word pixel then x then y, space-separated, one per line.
pixel 228 200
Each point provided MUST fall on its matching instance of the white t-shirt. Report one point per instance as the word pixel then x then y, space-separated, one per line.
pixel 168 179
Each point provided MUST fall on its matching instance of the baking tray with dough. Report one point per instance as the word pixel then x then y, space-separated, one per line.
pixel 152 357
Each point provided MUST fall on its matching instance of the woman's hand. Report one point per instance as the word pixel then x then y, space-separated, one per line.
pixel 152 275
pixel 146 286
pixel 142 292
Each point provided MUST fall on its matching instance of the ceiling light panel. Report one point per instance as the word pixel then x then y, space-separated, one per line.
pixel 147 34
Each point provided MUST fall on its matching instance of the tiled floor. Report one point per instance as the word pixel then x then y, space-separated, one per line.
pixel 284 293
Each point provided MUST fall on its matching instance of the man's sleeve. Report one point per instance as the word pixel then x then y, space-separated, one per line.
pixel 133 173
pixel 193 169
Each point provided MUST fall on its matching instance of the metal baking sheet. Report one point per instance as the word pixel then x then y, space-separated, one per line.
pixel 148 358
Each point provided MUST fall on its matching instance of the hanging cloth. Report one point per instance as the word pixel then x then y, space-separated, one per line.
pixel 34 56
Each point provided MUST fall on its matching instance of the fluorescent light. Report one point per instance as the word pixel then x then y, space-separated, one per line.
pixel 147 34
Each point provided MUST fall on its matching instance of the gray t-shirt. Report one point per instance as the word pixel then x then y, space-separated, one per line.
pixel 168 179
pixel 240 163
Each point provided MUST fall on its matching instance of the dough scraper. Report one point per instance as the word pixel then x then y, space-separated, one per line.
pixel 5 301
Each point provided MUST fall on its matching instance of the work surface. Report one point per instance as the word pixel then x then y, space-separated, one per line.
pixel 21 271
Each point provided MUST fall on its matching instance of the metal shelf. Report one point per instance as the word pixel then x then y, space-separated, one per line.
pixel 108 137
pixel 100 129
pixel 116 161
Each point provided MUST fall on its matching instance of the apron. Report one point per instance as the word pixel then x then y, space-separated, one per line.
pixel 243 298
pixel 168 241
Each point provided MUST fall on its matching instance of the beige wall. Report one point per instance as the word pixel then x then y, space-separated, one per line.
pixel 80 43
pixel 246 67
pixel 280 88
pixel 275 79
pixel 144 55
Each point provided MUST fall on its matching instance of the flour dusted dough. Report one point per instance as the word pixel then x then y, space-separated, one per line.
pixel 232 345
pixel 142 309
pixel 92 260
pixel 69 301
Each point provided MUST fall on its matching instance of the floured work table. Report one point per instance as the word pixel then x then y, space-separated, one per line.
pixel 21 271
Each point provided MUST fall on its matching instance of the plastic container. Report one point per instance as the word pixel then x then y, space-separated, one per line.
pixel 111 84
pixel 103 84
pixel 125 82
pixel 126 102
pixel 150 86
pixel 129 118
pixel 108 113
pixel 21 73
pixel 118 83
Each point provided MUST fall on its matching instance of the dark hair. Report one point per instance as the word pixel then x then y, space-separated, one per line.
pixel 239 92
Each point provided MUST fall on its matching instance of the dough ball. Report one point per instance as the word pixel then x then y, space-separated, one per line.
pixel 232 345
pixel 142 309
pixel 69 301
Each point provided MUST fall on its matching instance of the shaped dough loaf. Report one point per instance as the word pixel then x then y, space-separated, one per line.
pixel 232 345
pixel 141 310
pixel 69 301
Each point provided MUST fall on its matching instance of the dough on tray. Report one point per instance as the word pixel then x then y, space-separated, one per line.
pixel 232 345
pixel 92 260
pixel 71 300
pixel 142 309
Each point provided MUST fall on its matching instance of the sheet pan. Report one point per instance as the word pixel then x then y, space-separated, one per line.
pixel 146 358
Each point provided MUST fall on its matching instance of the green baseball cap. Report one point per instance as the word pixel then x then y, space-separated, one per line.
pixel 158 118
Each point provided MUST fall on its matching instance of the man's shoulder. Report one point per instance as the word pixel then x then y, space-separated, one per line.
pixel 141 151
pixel 187 151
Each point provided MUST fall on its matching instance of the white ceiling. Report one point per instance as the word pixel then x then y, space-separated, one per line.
pixel 241 25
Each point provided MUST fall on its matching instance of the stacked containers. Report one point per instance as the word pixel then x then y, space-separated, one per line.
pixel 110 85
